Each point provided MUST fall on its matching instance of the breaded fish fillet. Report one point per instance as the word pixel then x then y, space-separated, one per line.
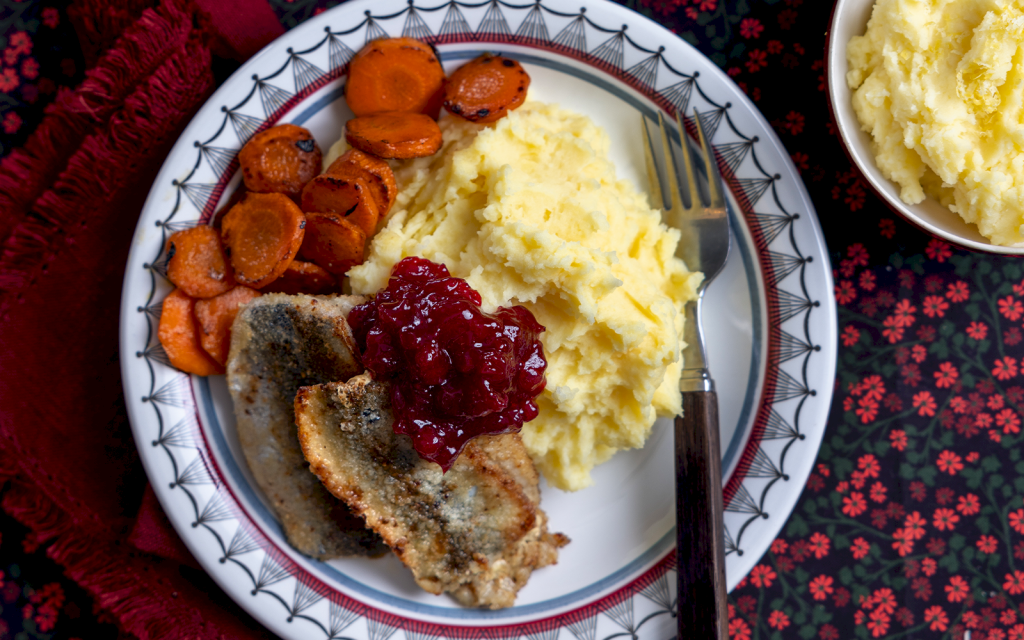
pixel 476 532
pixel 278 344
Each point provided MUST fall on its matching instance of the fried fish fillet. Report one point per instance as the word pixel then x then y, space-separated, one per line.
pixel 280 343
pixel 476 532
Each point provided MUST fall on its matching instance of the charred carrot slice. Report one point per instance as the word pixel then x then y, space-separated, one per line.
pixel 197 263
pixel 303 277
pixel 214 318
pixel 343 193
pixel 486 89
pixel 332 242
pixel 376 172
pixel 179 336
pixel 262 235
pixel 395 74
pixel 281 159
pixel 394 135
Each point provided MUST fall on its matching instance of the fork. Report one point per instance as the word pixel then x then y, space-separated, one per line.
pixel 700 530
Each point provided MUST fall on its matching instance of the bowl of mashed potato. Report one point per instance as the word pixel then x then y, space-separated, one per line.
pixel 928 101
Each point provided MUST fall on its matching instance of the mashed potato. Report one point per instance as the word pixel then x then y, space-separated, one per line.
pixel 529 211
pixel 938 84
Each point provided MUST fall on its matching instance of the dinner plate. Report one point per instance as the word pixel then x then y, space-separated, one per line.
pixel 771 333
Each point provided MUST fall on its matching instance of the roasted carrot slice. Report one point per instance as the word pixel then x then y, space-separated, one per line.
pixel 303 277
pixel 179 336
pixel 215 316
pixel 197 264
pixel 281 159
pixel 395 74
pixel 394 135
pixel 332 242
pixel 486 89
pixel 376 172
pixel 262 235
pixel 344 193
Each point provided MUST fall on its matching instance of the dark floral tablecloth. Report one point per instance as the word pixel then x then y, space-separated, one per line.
pixel 912 524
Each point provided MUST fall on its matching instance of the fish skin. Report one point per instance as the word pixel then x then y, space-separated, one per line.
pixel 476 532
pixel 280 343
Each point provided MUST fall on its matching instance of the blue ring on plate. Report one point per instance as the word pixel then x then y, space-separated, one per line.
pixel 256 506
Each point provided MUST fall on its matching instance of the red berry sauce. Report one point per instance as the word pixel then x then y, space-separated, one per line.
pixel 455 371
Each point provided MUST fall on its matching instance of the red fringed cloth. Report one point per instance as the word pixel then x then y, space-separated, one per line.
pixel 69 202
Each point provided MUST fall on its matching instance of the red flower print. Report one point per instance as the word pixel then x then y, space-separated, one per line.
pixel 663 7
pixel 921 587
pixel 10 56
pixel 945 519
pixel 1008 617
pixel 925 403
pixel 751 28
pixel 787 18
pixel 756 60
pixel 903 542
pixel 873 387
pixel 778 620
pixel 938 250
pixel 842 486
pixel 706 5
pixel 739 629
pixel 995 436
pixel 911 374
pixel 1008 420
pixel 762 575
pixel 30 68
pixel 906 277
pixel 892 331
pixel 1005 368
pixel 845 293
pixel 972 456
pixel 801 160
pixel 819 544
pixel 983 421
pixel 860 548
pixel 958 291
pixel 946 376
pixel 12 122
pixel 957 589
pixel 977 331
pixel 51 17
pixel 1016 519
pixel 1010 308
pixel 858 254
pixel 914 525
pixel 937 617
pixel 841 597
pixel 1014 584
pixel 968 504
pixel 9 80
pixel 878 491
pixel 867 280
pixel 878 623
pixel 904 312
pixel 779 546
pixel 944 495
pixel 821 587
pixel 994 402
pixel 918 353
pixel 774 47
pixel 987 544
pixel 898 437
pixel 869 464
pixel 929 566
pixel 850 335
pixel 867 409
pixel 20 42
pixel 1016 633
pixel 934 306
pixel 794 122
pixel 949 462
pixel 887 227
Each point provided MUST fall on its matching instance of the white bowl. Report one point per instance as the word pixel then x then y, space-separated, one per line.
pixel 850 18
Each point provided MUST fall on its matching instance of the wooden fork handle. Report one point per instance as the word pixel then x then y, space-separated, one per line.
pixel 700 531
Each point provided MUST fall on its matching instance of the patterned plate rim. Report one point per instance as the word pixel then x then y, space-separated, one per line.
pixel 785 243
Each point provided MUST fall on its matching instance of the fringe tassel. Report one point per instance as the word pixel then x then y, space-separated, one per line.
pixel 28 171
pixel 107 162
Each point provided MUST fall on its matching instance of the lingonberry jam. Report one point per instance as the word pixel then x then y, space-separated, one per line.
pixel 455 371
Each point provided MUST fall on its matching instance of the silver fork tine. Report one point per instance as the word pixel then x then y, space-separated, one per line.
pixel 711 164
pixel 670 165
pixel 657 202
pixel 691 177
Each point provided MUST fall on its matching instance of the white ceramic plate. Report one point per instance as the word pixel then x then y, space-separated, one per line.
pixel 772 343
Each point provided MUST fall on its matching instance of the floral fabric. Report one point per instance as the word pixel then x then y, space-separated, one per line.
pixel 912 524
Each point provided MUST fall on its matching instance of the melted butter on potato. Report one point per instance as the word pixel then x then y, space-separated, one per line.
pixel 938 85
pixel 529 211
